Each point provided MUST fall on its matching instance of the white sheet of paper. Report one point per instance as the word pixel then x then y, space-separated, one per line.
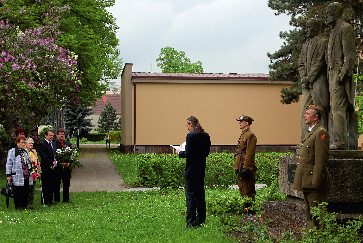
pixel 182 147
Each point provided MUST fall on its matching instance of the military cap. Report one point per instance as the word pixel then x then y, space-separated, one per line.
pixel 315 107
pixel 245 118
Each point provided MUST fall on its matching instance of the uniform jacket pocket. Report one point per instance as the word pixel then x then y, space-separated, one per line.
pixel 307 179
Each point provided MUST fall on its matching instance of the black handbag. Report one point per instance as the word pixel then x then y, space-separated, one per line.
pixel 8 190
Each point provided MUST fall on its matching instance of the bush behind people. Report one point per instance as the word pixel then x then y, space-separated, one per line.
pixel 167 170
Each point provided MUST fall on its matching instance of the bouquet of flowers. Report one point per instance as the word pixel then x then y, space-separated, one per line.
pixel 67 155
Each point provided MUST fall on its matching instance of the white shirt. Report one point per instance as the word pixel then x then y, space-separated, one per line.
pixel 311 128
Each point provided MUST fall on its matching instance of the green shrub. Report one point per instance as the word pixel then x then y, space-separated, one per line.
pixel 268 167
pixel 115 136
pixel 220 202
pixel 167 170
pixel 219 170
pixel 5 139
pixel 163 170
pixel 96 136
pixel 333 231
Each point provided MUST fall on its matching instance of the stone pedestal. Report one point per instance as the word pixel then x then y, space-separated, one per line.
pixel 346 175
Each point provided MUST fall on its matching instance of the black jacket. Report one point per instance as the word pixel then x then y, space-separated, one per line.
pixel 46 154
pixel 196 151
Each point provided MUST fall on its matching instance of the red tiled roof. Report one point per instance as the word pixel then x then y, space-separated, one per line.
pixel 114 99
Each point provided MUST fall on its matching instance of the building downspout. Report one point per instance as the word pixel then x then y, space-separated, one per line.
pixel 134 146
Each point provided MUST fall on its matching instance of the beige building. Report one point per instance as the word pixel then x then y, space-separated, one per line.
pixel 155 107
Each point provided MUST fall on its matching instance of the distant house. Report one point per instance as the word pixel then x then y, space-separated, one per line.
pixel 114 99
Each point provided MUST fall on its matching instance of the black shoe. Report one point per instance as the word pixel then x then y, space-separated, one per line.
pixel 49 204
pixel 189 226
pixel 67 201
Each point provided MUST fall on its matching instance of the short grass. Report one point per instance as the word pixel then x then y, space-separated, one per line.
pixel 151 216
pixel 125 164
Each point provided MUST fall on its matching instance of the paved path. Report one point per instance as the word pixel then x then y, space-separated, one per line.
pixel 100 174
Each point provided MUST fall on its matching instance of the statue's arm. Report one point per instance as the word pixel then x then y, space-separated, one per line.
pixel 348 45
pixel 302 62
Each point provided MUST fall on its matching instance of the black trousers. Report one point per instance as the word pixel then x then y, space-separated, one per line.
pixel 22 195
pixel 48 181
pixel 195 201
pixel 62 174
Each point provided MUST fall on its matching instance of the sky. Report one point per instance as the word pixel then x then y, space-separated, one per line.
pixel 227 36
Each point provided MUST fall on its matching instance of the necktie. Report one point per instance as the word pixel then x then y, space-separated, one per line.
pixel 51 146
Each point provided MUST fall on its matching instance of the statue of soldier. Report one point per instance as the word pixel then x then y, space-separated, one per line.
pixel 312 70
pixel 340 60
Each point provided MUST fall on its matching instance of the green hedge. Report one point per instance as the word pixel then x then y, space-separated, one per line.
pixel 167 170
pixel 96 136
pixel 115 136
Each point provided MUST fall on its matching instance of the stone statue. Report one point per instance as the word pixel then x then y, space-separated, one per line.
pixel 312 70
pixel 340 60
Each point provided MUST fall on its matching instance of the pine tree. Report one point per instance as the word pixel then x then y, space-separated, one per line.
pixel 76 117
pixel 107 121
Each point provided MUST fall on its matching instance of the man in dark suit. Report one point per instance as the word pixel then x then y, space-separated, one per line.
pixel 312 177
pixel 196 150
pixel 62 172
pixel 46 153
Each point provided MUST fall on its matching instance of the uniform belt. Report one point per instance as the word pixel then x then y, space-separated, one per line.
pixel 241 152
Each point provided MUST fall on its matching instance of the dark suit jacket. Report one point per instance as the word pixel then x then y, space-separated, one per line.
pixel 196 151
pixel 57 144
pixel 313 161
pixel 47 156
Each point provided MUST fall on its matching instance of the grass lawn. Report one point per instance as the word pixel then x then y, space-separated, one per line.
pixel 152 216
pixel 125 164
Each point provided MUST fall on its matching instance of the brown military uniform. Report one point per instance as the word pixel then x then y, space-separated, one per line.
pixel 312 170
pixel 246 148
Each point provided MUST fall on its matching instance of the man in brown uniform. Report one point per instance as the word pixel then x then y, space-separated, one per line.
pixel 312 177
pixel 244 164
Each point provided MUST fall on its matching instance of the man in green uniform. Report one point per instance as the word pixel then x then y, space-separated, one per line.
pixel 312 177
pixel 244 164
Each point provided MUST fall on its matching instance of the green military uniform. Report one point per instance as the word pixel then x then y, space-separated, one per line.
pixel 246 148
pixel 312 170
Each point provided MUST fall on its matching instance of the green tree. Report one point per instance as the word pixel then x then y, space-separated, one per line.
pixel 47 48
pixel 107 121
pixel 284 62
pixel 35 72
pixel 89 31
pixel 172 61
pixel 75 117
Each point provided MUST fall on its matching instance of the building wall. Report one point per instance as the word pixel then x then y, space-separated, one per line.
pixel 162 110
